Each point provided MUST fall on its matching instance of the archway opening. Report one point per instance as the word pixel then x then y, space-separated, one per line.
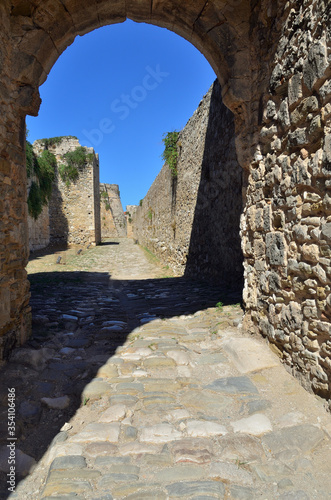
pixel 199 143
pixel 125 117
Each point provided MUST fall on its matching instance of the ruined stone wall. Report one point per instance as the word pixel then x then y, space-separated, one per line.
pixel 286 225
pixel 130 211
pixel 74 209
pixel 15 312
pixel 113 221
pixel 39 236
pixel 191 221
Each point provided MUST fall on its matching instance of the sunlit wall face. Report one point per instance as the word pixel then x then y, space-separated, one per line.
pixel 119 89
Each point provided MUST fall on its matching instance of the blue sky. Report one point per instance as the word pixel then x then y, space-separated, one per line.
pixel 119 89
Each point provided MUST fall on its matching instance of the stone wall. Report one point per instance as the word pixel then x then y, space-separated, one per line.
pixel 286 225
pixel 39 236
pixel 113 221
pixel 74 209
pixel 272 58
pixel 130 211
pixel 191 221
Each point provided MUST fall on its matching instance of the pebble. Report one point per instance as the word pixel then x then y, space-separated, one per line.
pixel 180 357
pixel 304 437
pixel 211 488
pixel 66 351
pixel 68 462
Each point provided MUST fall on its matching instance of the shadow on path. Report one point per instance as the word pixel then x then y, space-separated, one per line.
pixel 79 320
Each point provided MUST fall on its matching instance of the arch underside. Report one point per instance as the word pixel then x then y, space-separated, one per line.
pixel 219 30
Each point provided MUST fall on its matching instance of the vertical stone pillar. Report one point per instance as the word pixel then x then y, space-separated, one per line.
pixel 15 316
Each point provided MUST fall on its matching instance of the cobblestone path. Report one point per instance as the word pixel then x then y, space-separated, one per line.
pixel 137 387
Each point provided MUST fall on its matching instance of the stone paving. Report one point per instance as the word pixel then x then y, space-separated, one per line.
pixel 139 387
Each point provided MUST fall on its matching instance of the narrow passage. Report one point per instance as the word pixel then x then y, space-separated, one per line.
pixel 137 384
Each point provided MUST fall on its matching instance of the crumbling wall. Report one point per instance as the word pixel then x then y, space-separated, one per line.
pixel 113 220
pixel 130 211
pixel 74 207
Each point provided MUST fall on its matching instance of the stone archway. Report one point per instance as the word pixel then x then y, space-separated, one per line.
pixel 272 59
pixel 33 36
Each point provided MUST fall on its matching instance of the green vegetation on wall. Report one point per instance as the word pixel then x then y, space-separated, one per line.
pixel 74 160
pixel 170 153
pixel 53 141
pixel 42 168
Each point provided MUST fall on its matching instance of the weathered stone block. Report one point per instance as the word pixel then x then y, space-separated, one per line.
pixel 291 316
pixel 298 138
pixel 295 89
pixel 325 92
pixel 316 64
pixel 284 115
pixel 320 274
pixel 276 249
pixel 310 252
pixel 326 231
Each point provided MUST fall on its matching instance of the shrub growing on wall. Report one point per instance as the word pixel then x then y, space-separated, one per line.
pixel 42 168
pixel 53 141
pixel 69 171
pixel 170 153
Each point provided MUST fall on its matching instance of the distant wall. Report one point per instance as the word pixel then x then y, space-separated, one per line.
pixel 74 210
pixel 130 211
pixel 191 222
pixel 113 220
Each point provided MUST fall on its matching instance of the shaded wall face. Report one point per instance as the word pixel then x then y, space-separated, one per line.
pixel 215 248
pixel 96 198
pixel 113 220
pixel 39 236
pixel 286 226
pixel 192 221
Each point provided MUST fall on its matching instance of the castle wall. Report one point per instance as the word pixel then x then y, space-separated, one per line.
pixel 39 236
pixel 74 209
pixel 130 211
pixel 113 221
pixel 191 221
pixel 286 224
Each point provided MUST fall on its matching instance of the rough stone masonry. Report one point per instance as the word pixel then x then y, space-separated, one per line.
pixel 74 209
pixel 272 59
pixel 179 218
pixel 113 220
